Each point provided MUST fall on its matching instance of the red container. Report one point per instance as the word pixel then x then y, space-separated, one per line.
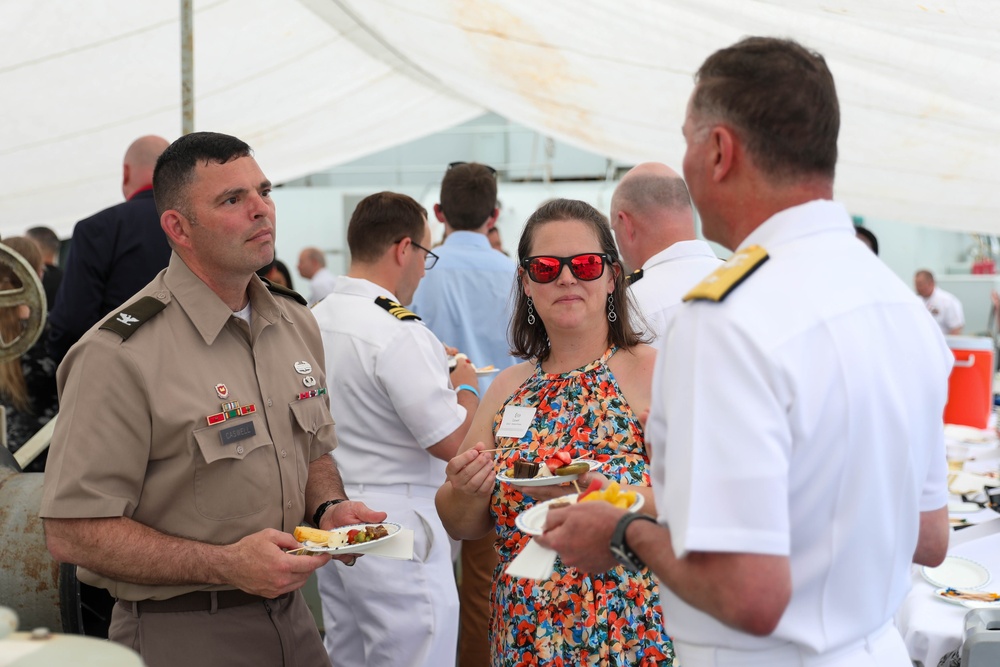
pixel 970 385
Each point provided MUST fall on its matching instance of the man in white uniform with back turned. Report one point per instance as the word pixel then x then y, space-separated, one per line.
pixel 798 451
pixel 399 420
pixel 654 228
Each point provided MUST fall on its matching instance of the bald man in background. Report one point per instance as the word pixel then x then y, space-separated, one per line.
pixel 654 227
pixel 113 253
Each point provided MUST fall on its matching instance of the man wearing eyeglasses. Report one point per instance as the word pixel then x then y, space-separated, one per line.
pixel 399 421
pixel 466 302
pixel 654 227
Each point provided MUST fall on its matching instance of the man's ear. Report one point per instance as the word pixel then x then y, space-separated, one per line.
pixel 626 224
pixel 724 144
pixel 402 249
pixel 177 228
pixel 439 213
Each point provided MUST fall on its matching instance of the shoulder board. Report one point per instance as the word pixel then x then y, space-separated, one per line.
pixel 727 277
pixel 284 291
pixel 395 309
pixel 633 277
pixel 128 320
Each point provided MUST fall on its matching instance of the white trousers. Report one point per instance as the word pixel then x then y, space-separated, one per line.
pixel 394 613
pixel 882 648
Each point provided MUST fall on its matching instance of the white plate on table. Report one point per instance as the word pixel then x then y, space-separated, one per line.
pixel 947 595
pixel 532 520
pixel 957 572
pixel 545 481
pixel 392 528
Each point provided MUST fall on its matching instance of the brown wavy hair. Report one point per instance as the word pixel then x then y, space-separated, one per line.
pixel 531 341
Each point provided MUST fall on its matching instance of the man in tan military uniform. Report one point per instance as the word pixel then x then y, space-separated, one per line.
pixel 193 432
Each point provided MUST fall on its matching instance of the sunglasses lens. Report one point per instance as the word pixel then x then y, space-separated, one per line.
pixel 544 269
pixel 587 267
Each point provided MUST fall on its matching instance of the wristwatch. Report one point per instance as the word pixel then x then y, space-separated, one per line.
pixel 620 548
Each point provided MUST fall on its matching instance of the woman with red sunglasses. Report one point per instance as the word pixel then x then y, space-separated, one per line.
pixel 586 378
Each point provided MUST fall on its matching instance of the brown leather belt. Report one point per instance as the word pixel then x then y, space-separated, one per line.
pixel 197 601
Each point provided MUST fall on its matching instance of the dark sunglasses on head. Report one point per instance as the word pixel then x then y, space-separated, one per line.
pixel 452 165
pixel 546 268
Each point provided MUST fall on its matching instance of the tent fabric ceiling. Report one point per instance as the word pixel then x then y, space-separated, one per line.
pixel 315 83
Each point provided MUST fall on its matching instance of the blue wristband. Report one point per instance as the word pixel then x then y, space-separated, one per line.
pixel 466 387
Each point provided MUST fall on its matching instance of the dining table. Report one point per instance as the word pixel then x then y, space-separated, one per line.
pixel 931 625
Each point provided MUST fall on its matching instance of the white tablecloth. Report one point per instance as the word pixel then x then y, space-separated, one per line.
pixel 933 627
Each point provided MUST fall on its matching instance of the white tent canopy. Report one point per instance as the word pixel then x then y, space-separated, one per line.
pixel 315 83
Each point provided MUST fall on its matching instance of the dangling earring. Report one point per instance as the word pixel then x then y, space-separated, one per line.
pixel 612 315
pixel 531 311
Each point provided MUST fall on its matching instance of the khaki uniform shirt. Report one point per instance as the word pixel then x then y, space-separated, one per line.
pixel 133 437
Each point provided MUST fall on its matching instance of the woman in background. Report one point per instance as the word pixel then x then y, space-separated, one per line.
pixel 27 383
pixel 586 378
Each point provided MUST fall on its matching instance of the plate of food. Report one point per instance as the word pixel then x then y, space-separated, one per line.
pixel 557 469
pixel 532 520
pixel 967 598
pixel 354 539
pixel 957 572
pixel 486 370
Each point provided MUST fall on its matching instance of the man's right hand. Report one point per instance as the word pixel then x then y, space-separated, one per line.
pixel 464 373
pixel 259 565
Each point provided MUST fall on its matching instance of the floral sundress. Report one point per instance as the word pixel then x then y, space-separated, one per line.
pixel 609 619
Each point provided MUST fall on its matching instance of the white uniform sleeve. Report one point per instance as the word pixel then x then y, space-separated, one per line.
pixel 414 372
pixel 727 441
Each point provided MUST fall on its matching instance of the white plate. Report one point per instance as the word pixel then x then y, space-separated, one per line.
pixel 971 604
pixel 532 520
pixel 545 481
pixel 957 572
pixel 393 529
pixel 487 371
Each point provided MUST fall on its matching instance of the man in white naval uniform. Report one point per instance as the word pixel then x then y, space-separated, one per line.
pixel 654 228
pixel 943 306
pixel 798 452
pixel 399 420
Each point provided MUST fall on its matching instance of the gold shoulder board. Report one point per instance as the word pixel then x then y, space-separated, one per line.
pixel 395 309
pixel 634 277
pixel 126 321
pixel 727 277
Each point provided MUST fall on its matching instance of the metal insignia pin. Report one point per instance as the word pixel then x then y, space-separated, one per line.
pixel 222 391
pixel 303 368
pixel 309 381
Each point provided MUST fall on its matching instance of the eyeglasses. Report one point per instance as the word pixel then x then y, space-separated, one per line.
pixel 546 268
pixel 430 260
pixel 452 165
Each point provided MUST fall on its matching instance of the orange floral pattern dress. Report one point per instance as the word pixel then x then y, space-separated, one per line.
pixel 571 619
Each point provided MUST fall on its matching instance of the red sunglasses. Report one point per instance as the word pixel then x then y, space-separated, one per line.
pixel 546 268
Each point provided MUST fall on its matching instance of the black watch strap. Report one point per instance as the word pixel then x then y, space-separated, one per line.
pixel 620 548
pixel 321 510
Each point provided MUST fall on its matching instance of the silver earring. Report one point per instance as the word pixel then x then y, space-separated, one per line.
pixel 612 315
pixel 531 311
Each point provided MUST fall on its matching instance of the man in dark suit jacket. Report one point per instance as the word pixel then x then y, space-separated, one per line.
pixel 112 254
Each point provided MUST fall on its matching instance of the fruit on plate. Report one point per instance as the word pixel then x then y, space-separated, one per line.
pixel 612 494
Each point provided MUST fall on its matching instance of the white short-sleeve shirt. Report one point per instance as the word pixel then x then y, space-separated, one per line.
pixel 801 416
pixel 390 392
pixel 666 277
pixel 946 310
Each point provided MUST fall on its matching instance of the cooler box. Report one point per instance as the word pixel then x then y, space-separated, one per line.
pixel 970 386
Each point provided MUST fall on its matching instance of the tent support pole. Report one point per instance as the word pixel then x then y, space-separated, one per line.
pixel 187 68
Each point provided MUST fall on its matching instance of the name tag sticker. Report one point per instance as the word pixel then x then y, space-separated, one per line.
pixel 515 422
pixel 237 433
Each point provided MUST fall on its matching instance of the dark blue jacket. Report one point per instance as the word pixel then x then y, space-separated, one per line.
pixel 112 255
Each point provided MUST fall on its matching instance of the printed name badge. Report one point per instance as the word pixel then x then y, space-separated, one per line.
pixel 237 433
pixel 515 422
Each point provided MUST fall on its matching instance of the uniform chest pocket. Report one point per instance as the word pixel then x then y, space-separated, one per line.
pixel 311 419
pixel 236 469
